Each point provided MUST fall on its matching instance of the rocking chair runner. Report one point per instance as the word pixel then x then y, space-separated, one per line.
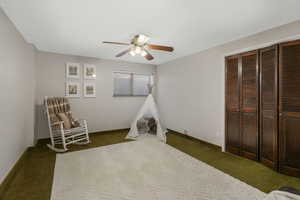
pixel 64 129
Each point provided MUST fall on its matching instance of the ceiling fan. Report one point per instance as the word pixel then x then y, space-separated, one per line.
pixel 139 46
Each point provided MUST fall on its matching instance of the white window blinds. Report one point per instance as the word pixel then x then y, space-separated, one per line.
pixel 131 84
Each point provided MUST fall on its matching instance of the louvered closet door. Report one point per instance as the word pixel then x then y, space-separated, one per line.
pixel 268 106
pixel 289 108
pixel 249 105
pixel 232 105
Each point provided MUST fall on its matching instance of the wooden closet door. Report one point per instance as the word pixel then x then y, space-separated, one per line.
pixel 269 106
pixel 232 105
pixel 249 105
pixel 289 108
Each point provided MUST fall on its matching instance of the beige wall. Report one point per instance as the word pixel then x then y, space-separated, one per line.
pixel 104 112
pixel 191 89
pixel 17 97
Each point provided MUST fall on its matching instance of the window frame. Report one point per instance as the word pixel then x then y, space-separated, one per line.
pixel 131 83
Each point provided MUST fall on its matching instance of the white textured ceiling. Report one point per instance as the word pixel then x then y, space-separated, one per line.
pixel 77 27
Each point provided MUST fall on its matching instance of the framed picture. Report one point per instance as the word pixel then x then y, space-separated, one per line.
pixel 73 70
pixel 73 89
pixel 89 89
pixel 89 71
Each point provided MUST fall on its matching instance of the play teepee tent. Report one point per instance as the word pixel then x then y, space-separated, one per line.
pixel 149 108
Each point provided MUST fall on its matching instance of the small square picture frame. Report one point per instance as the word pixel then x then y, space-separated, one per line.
pixel 72 89
pixel 89 72
pixel 72 70
pixel 89 89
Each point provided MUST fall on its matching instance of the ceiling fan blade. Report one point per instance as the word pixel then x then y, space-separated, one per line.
pixel 117 43
pixel 148 56
pixel 123 53
pixel 159 47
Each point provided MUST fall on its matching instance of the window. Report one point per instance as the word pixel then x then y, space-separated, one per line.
pixel 122 84
pixel 131 84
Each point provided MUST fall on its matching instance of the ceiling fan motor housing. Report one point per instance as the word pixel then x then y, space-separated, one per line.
pixel 140 40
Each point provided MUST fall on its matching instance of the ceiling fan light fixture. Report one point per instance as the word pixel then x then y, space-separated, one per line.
pixel 138 50
pixel 132 52
pixel 143 53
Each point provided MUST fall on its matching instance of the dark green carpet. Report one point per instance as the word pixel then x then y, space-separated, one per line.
pixel 34 180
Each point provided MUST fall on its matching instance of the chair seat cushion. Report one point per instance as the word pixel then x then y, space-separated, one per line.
pixel 67 122
pixel 74 123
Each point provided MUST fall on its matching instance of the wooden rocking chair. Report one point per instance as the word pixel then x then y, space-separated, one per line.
pixel 64 129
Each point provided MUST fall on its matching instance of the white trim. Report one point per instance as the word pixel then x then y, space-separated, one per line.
pixel 13 164
pixel 132 74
